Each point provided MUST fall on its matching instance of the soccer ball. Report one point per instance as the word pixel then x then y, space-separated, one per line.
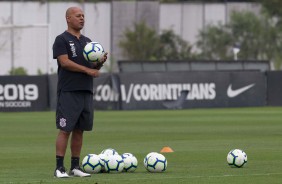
pixel 237 158
pixel 93 52
pixel 109 151
pixel 130 162
pixel 91 163
pixel 127 155
pixel 146 158
pixel 102 157
pixel 155 162
pixel 114 164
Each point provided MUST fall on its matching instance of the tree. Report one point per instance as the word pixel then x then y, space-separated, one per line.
pixel 258 37
pixel 272 7
pixel 173 47
pixel 215 42
pixel 18 71
pixel 143 43
pixel 249 31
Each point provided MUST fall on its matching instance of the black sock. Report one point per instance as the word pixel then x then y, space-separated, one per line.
pixel 74 162
pixel 59 161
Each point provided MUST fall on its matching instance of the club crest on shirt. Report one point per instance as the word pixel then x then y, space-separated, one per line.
pixel 73 49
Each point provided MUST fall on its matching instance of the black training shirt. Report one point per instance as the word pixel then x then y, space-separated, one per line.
pixel 67 43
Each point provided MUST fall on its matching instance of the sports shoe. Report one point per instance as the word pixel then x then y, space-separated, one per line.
pixel 61 173
pixel 78 172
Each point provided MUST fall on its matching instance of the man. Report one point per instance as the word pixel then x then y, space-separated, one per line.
pixel 74 113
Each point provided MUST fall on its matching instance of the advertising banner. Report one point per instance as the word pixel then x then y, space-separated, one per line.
pixel 274 88
pixel 23 93
pixel 150 90
pixel 176 90
pixel 107 92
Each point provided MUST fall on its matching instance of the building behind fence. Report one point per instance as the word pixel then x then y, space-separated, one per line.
pixel 28 29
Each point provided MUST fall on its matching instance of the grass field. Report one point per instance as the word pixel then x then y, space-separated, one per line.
pixel 200 138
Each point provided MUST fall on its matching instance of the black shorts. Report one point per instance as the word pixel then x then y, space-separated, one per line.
pixel 75 110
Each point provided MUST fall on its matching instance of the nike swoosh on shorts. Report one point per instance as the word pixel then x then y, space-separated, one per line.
pixel 233 93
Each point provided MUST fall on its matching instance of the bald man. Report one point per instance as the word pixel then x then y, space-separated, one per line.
pixel 75 111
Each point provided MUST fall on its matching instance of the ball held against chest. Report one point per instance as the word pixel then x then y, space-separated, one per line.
pixel 93 52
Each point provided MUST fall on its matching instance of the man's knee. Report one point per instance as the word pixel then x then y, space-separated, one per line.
pixel 64 133
pixel 77 132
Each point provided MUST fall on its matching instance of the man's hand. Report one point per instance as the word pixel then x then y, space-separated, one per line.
pixel 104 58
pixel 72 66
pixel 92 72
pixel 98 65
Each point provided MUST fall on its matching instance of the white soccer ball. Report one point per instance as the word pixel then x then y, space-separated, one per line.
pixel 124 155
pixel 114 164
pixel 109 151
pixel 146 158
pixel 93 52
pixel 130 162
pixel 155 162
pixel 91 163
pixel 237 158
pixel 102 157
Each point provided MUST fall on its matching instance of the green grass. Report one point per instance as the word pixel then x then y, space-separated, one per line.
pixel 200 138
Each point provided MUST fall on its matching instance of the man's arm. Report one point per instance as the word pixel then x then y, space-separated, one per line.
pixel 68 64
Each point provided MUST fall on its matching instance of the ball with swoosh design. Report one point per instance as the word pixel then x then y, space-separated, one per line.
pixel 93 52
pixel 237 158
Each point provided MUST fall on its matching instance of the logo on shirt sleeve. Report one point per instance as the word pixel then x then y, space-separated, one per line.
pixel 73 49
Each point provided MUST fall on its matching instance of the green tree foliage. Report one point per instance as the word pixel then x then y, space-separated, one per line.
pixel 18 71
pixel 173 47
pixel 258 38
pixel 39 72
pixel 215 43
pixel 249 30
pixel 272 7
pixel 143 43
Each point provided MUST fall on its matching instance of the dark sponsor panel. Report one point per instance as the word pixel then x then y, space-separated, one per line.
pixel 203 89
pixel 274 88
pixel 23 93
pixel 107 92
pixel 246 89
pixel 162 90
pixel 150 90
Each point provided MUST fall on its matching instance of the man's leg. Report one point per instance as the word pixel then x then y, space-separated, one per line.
pixel 76 142
pixel 76 145
pixel 61 146
pixel 62 143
